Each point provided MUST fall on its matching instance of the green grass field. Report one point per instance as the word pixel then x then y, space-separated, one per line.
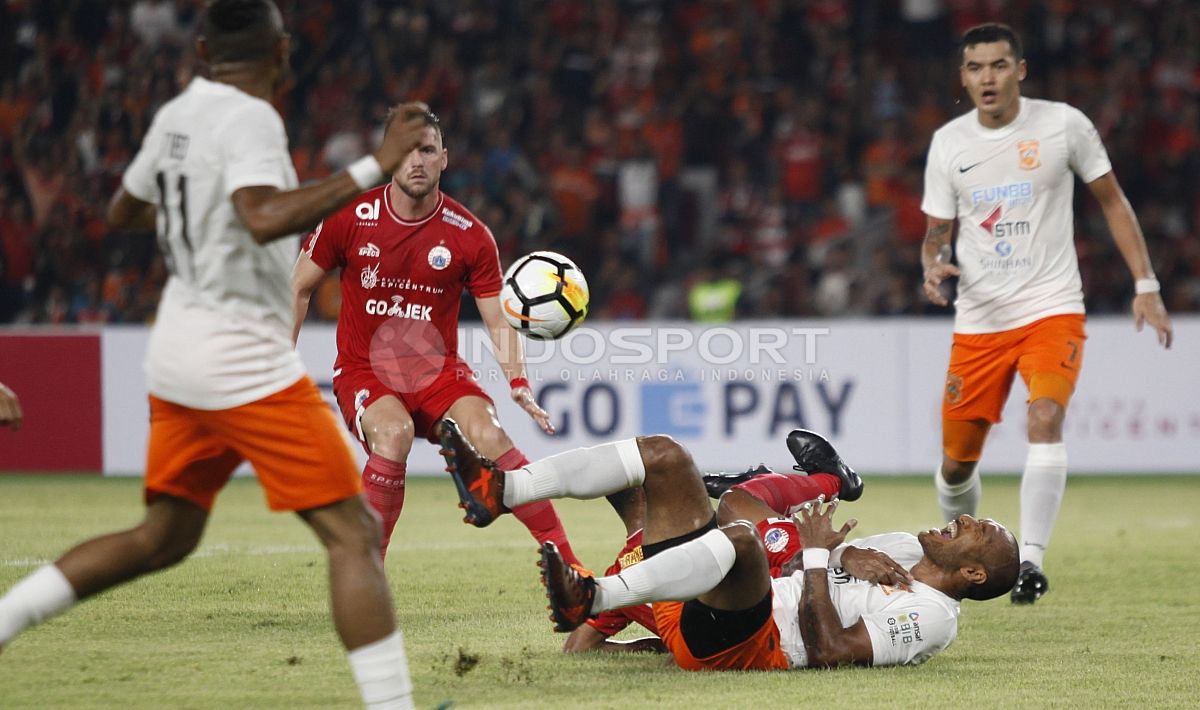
pixel 244 623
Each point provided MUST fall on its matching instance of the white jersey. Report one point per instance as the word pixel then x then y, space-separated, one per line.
pixel 1011 190
pixel 906 627
pixel 222 336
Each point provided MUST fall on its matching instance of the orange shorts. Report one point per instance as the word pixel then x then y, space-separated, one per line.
pixel 291 438
pixel 759 652
pixel 1047 353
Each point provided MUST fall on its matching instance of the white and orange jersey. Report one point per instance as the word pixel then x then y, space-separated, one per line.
pixel 222 336
pixel 906 627
pixel 1011 190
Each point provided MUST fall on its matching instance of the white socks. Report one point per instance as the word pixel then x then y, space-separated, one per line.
pixel 957 498
pixel 1042 487
pixel 682 572
pixel 579 473
pixel 44 594
pixel 381 671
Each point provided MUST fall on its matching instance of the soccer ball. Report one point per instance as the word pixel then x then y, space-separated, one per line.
pixel 545 295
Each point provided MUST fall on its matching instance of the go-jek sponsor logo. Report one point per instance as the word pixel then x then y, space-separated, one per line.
pixel 1012 194
pixel 398 309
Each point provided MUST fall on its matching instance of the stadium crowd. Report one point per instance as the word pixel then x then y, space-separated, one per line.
pixel 699 158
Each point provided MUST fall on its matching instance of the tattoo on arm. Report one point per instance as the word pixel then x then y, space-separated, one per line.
pixel 936 249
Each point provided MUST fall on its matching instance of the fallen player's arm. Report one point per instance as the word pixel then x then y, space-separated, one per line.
pixel 826 642
pixel 587 638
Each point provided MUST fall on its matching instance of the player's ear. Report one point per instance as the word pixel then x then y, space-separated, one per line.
pixel 974 573
pixel 283 50
pixel 1022 68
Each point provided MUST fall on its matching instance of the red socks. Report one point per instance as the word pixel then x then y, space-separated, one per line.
pixel 383 480
pixel 539 517
pixel 784 491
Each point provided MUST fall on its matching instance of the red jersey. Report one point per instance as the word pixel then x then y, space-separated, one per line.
pixel 410 271
pixel 610 622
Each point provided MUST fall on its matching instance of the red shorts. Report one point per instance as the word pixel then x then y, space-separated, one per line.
pixel 1047 353
pixel 759 652
pixel 291 438
pixel 357 387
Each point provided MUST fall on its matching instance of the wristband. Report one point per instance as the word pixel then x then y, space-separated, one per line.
pixel 365 172
pixel 815 558
pixel 1146 285
pixel 518 382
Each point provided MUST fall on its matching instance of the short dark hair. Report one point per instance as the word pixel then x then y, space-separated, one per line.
pixel 240 30
pixel 430 118
pixel 1002 572
pixel 990 32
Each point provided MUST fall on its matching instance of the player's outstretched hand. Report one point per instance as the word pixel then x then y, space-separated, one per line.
pixel 874 566
pixel 403 135
pixel 1149 308
pixel 814 524
pixel 523 396
pixel 10 408
pixel 934 276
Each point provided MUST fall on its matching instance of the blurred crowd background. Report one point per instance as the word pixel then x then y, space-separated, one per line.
pixel 703 159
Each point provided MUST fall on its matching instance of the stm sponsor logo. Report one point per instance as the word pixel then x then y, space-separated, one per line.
pixel 1001 229
pixel 451 217
pixel 397 308
pixel 1012 194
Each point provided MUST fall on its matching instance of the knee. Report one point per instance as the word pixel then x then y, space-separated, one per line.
pixel 745 539
pixel 162 547
pixel 357 534
pixel 490 440
pixel 661 453
pixel 1045 421
pixel 955 471
pixel 392 439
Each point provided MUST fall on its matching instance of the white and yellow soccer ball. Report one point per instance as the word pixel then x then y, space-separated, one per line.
pixel 544 296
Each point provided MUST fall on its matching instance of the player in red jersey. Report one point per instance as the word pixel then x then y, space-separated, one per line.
pixel 406 251
pixel 595 634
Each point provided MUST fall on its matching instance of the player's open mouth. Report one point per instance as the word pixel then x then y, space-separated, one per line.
pixel 950 531
pixel 988 96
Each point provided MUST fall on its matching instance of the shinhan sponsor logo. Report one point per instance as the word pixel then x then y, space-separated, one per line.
pixel 1016 193
pixel 452 217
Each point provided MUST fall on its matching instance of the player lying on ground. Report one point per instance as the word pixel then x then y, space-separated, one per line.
pixel 760 496
pixel 715 603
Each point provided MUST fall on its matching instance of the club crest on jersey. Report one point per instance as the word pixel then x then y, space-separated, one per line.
pixel 776 540
pixel 439 257
pixel 367 211
pixel 1028 153
pixel 369 276
pixel 370 250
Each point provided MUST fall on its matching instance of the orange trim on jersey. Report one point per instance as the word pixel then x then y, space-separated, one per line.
pixel 291 438
pixel 489 294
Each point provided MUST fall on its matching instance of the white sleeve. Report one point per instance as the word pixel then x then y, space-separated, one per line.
pixel 902 547
pixel 939 200
pixel 254 146
pixel 1085 151
pixel 909 633
pixel 141 177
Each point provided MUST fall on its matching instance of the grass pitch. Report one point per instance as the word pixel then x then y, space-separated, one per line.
pixel 244 623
